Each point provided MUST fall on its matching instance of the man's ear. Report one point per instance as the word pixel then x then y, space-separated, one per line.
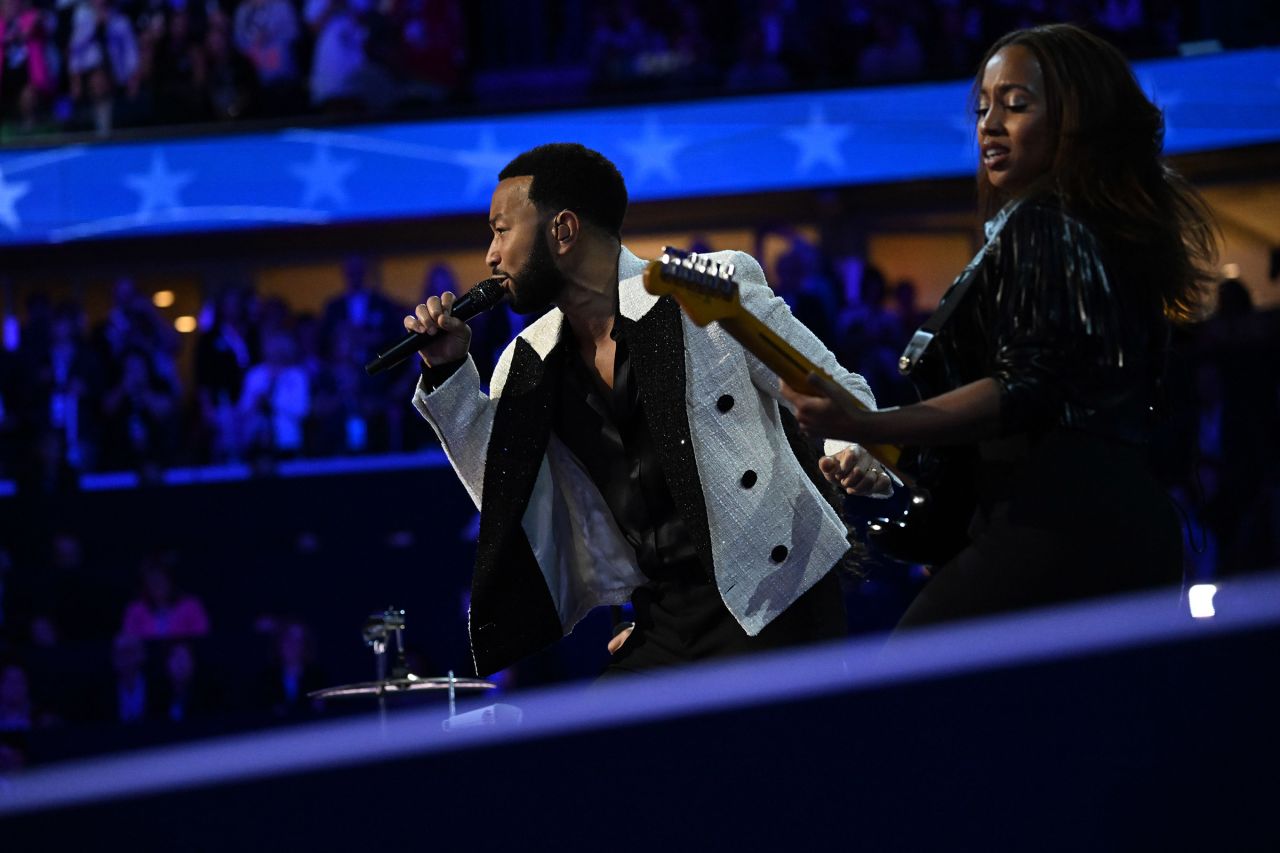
pixel 565 229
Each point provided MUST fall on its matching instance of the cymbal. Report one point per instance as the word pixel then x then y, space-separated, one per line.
pixel 410 683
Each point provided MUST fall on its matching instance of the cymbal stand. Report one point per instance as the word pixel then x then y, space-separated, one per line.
pixel 376 629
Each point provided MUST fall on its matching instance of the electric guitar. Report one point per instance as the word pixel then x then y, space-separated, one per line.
pixel 926 532
pixel 707 292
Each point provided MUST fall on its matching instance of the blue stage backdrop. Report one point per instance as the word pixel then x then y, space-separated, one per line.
pixel 756 144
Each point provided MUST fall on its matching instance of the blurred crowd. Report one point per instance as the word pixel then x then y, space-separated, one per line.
pixel 69 663
pixel 260 382
pixel 93 66
pixel 265 382
pixel 268 383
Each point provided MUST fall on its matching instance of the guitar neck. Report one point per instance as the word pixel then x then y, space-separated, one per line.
pixel 801 373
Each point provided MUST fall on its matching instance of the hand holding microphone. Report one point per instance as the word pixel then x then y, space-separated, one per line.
pixel 437 328
pixel 447 337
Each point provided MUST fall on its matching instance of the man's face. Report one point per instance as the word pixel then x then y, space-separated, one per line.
pixel 519 250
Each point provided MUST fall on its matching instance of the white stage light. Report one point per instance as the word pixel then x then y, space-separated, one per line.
pixel 1200 597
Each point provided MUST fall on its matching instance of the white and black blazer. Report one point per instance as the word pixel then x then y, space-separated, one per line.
pixel 549 550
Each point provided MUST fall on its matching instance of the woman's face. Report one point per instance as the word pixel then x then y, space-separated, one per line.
pixel 1013 123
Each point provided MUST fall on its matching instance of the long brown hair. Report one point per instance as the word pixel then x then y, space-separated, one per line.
pixel 1107 166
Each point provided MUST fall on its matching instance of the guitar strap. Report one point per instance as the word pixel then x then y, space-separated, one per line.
pixel 953 297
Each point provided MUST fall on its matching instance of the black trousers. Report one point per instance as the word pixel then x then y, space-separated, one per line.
pixel 1082 518
pixel 683 619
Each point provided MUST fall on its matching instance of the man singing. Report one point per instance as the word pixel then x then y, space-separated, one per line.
pixel 624 452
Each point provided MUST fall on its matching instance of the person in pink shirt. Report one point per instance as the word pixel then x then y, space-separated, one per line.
pixel 162 611
pixel 25 72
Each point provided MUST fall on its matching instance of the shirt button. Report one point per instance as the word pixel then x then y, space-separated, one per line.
pixel 748 479
pixel 725 403
pixel 778 554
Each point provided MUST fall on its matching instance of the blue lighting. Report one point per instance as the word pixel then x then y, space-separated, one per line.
pixel 757 144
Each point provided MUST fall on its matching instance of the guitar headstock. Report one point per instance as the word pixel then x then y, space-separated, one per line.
pixel 704 288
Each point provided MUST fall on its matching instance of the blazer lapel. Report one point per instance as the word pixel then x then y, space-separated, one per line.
pixel 656 344
pixel 512 611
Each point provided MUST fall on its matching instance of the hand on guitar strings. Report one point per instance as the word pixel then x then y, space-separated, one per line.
pixel 821 417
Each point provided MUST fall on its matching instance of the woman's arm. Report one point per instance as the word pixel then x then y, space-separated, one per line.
pixel 969 413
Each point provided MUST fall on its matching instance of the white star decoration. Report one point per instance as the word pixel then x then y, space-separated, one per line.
pixel 483 163
pixel 818 141
pixel 9 195
pixel 158 188
pixel 654 153
pixel 449 166
pixel 323 177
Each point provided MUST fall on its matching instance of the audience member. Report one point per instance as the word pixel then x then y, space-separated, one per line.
pixel 266 32
pixel 283 686
pixel 162 611
pixel 129 698
pixel 431 54
pixel 620 37
pixel 188 692
pixel 339 55
pixel 87 67
pixel 275 399
pixel 231 89
pixel 36 333
pixel 179 64
pixel 28 63
pixel 103 65
pixel 16 713
pixel 140 416
pixel 894 54
pixel 20 710
pixel 342 405
pixel 361 305
pixel 755 69
pixel 870 337
pixel 309 335
pixel 953 37
pixel 133 323
pixel 905 311
pixel 799 278
pixel 63 379
pixel 224 353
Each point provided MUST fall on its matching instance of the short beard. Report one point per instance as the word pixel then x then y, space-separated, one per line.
pixel 538 283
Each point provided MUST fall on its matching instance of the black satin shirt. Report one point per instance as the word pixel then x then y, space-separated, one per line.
pixel 1057 323
pixel 606 430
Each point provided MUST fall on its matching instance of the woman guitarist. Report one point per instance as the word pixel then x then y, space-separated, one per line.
pixel 1046 370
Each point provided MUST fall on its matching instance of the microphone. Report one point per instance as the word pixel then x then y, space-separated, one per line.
pixel 482 297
